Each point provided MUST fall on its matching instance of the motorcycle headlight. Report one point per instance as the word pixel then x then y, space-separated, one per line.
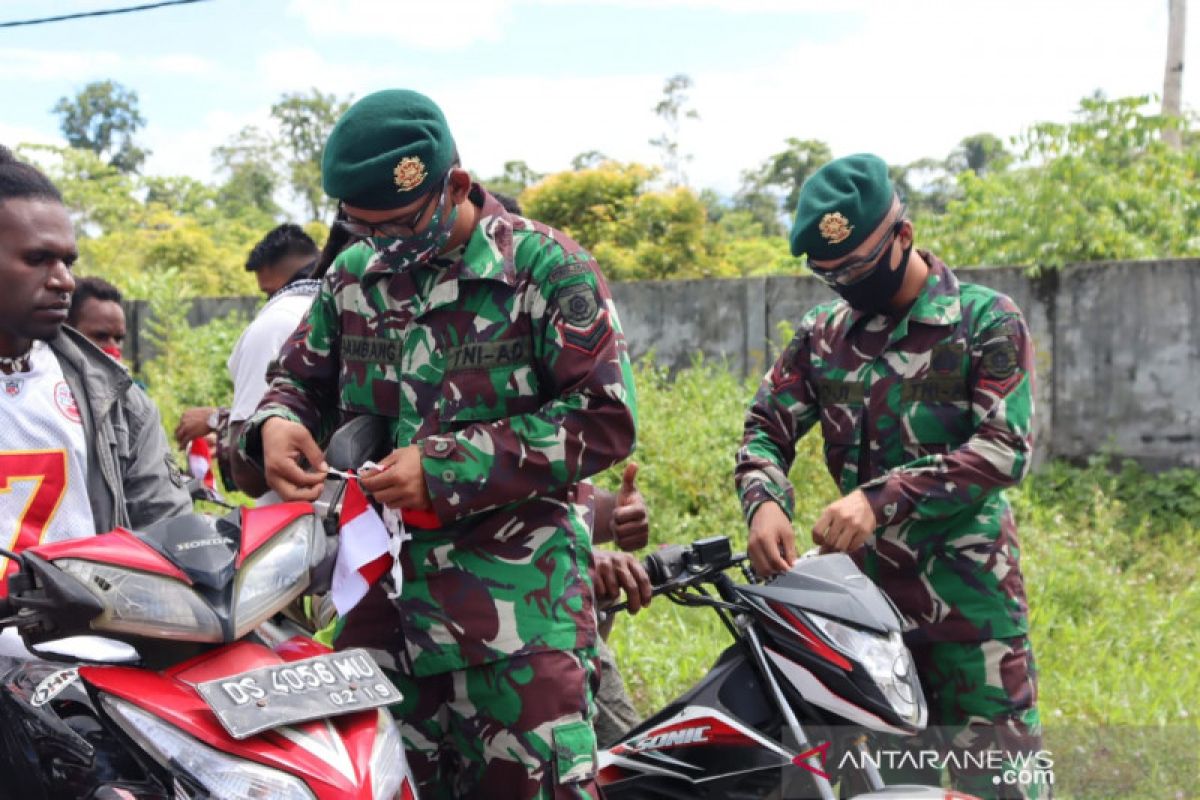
pixel 887 661
pixel 145 604
pixel 388 765
pixel 273 576
pixel 222 775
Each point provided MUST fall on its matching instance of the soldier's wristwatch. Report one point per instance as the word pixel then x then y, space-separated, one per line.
pixel 214 420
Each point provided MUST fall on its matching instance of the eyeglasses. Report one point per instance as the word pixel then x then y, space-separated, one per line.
pixel 854 271
pixel 396 227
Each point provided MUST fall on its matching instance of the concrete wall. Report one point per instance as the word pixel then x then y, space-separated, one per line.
pixel 1118 345
pixel 1127 362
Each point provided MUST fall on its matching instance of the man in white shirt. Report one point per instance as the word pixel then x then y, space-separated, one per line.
pixel 282 262
pixel 82 448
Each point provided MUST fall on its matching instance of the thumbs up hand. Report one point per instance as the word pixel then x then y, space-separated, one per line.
pixel 630 519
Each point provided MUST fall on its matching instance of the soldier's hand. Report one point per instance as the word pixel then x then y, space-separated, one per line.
pixel 193 424
pixel 630 518
pixel 617 572
pixel 845 524
pixel 399 482
pixel 772 542
pixel 284 443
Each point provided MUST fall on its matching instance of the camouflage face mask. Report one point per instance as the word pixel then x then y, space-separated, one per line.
pixel 401 252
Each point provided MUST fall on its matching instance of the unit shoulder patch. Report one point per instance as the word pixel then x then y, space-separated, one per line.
pixel 999 359
pixel 578 304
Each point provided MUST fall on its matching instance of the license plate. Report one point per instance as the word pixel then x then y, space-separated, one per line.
pixel 298 691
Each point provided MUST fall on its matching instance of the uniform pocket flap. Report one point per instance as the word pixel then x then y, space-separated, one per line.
pixel 574 752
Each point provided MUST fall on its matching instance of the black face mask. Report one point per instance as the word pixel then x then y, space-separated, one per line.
pixel 872 294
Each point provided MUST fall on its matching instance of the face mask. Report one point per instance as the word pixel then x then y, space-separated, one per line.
pixel 398 253
pixel 873 293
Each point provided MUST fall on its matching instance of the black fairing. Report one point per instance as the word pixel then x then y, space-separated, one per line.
pixel 60 750
pixel 833 586
pixel 205 549
pixel 725 770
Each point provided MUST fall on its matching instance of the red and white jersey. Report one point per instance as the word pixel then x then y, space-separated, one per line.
pixel 43 458
pixel 43 485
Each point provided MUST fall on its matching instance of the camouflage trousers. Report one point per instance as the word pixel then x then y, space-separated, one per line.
pixel 615 714
pixel 516 729
pixel 983 719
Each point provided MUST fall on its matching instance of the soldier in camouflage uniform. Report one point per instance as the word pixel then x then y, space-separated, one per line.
pixel 621 518
pixel 923 390
pixel 491 344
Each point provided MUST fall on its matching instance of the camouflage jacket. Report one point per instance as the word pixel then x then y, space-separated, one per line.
pixel 506 365
pixel 931 416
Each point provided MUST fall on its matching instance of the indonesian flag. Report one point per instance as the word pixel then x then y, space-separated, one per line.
pixel 199 458
pixel 364 550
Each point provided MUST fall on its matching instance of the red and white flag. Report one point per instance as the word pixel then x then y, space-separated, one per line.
pixel 363 549
pixel 199 458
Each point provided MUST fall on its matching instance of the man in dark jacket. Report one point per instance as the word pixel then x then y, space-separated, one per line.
pixel 82 449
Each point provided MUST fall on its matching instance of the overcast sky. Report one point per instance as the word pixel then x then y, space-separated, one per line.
pixel 544 80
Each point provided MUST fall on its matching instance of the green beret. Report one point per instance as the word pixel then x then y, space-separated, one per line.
pixel 387 150
pixel 840 205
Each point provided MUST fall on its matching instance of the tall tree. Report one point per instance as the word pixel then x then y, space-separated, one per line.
pixel 515 178
pixel 634 231
pixel 248 160
pixel 981 153
pixel 1173 75
pixel 1104 187
pixel 925 185
pixel 103 118
pixel 772 190
pixel 588 159
pixel 673 109
pixel 305 121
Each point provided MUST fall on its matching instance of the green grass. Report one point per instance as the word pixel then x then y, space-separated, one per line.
pixel 1109 556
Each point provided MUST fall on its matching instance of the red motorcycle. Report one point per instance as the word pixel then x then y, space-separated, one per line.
pixel 216 707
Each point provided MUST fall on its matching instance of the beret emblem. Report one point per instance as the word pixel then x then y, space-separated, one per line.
pixel 409 173
pixel 835 228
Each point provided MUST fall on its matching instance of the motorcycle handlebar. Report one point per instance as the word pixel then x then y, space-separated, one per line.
pixel 666 565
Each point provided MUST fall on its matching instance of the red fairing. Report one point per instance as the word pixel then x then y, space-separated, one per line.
pixel 171 696
pixel 299 648
pixel 260 524
pixel 611 774
pixel 118 547
pixel 814 642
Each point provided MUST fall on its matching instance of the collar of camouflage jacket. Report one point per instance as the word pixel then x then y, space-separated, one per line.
pixel 938 303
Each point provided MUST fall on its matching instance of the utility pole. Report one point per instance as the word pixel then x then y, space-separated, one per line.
pixel 1172 101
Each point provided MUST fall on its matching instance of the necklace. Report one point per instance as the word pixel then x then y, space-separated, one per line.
pixel 14 364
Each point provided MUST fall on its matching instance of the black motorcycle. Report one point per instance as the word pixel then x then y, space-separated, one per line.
pixel 817 665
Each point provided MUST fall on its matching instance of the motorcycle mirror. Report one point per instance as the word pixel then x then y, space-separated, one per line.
pixel 6 607
pixel 364 438
pixel 198 491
